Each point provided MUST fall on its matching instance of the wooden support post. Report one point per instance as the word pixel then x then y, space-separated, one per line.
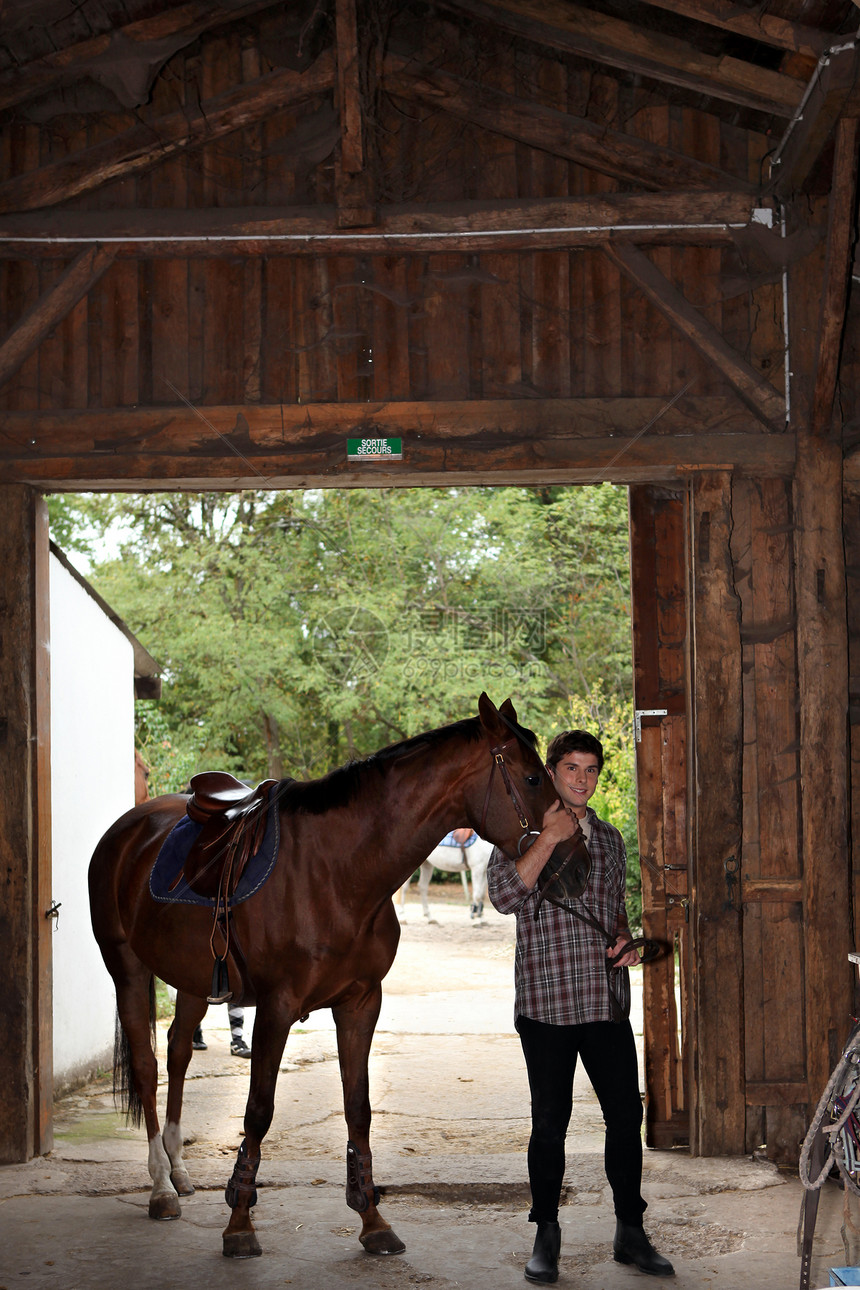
pixel 52 308
pixel 718 1111
pixel 26 1074
pixel 658 560
pixel 822 631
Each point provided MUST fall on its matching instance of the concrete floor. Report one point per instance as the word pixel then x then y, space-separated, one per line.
pixel 450 1129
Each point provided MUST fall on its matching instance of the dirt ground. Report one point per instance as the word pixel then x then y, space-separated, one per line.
pixel 450 1131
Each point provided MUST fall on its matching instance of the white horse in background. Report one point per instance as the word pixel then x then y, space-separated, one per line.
pixel 460 852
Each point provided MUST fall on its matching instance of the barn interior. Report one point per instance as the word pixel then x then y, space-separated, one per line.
pixel 566 242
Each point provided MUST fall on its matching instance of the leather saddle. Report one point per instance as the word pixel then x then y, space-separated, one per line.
pixel 233 818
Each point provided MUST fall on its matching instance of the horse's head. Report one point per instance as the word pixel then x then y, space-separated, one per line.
pixel 518 790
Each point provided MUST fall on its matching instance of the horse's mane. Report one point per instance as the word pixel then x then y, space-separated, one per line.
pixel 341 786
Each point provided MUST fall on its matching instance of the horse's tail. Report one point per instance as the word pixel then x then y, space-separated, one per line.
pixel 124 1086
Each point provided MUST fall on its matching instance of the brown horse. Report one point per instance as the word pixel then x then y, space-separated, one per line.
pixel 322 934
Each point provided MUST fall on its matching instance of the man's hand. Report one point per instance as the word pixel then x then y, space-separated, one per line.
pixel 630 959
pixel 558 824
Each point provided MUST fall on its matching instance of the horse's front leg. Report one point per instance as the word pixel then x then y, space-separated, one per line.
pixel 271 1027
pixel 355 1020
pixel 190 1011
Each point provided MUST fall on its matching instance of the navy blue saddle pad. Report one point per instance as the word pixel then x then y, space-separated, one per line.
pixel 177 844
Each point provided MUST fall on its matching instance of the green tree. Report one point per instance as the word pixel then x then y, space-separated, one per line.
pixel 297 630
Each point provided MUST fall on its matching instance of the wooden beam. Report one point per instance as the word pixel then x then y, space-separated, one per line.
pixel 772 1093
pixel 52 307
pixel 24 1005
pixel 163 33
pixel 579 30
pixel 823 690
pixel 767 28
pixel 298 445
pixel 349 88
pixel 353 184
pixel 684 218
pixel 43 1053
pixel 600 148
pixel 842 210
pixel 758 394
pixel 717 1114
pixel 151 142
pixel 830 95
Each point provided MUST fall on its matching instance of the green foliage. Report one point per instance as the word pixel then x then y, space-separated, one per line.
pixel 298 630
pixel 170 765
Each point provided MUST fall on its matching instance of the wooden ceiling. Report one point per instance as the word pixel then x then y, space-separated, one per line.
pixel 97 94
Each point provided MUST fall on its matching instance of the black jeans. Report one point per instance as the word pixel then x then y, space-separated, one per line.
pixel 608 1053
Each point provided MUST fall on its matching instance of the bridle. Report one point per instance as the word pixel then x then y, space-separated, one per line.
pixel 497 752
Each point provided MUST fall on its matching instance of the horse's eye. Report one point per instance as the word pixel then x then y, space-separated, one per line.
pixel 532 780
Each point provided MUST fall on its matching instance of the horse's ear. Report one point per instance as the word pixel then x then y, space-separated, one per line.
pixel 508 710
pixel 489 714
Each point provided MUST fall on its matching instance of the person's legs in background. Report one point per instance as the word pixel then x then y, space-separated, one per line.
pixel 238 1047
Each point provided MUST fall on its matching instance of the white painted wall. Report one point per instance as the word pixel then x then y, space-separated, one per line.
pixel 92 783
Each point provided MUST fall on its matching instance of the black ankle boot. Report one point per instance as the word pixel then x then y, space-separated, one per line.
pixel 631 1245
pixel 543 1264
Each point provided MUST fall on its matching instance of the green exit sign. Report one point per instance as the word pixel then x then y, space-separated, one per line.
pixel 374 449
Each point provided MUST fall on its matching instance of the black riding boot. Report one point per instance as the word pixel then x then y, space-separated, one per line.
pixel 543 1264
pixel 631 1245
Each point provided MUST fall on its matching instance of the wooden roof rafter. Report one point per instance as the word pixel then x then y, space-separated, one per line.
pixel 832 92
pixel 153 141
pixel 574 29
pixel 611 152
pixel 767 28
pixel 150 40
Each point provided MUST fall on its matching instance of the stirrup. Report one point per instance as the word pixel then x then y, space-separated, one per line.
pixel 219 991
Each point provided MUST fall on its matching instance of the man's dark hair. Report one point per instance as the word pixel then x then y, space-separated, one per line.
pixel 570 741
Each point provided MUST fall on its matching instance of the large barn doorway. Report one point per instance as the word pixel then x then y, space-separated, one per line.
pixel 661 656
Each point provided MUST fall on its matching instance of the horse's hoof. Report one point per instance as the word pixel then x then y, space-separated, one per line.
pixel 164 1206
pixel 241 1245
pixel 183 1184
pixel 384 1242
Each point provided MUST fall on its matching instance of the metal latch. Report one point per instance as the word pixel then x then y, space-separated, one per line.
pixel 646 712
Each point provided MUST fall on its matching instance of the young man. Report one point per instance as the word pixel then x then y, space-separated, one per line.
pixel 564 1008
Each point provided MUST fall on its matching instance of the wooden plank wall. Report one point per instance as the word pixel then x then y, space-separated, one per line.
pixel 549 323
pixel 770 867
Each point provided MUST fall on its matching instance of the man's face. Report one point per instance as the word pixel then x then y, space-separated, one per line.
pixel 575 779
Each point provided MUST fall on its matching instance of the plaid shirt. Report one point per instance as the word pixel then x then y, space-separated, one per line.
pixel 560 967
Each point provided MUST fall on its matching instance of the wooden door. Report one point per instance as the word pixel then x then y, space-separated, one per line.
pixel 658 524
